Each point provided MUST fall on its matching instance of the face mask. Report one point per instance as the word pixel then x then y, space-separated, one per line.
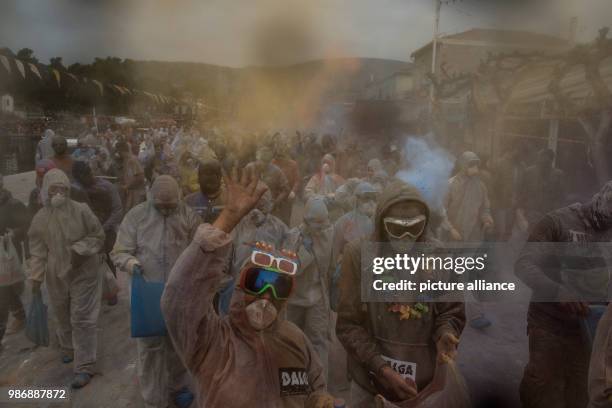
pixel 402 245
pixel 58 200
pixel 316 226
pixel 261 313
pixel 257 216
pixel 166 212
pixel 367 208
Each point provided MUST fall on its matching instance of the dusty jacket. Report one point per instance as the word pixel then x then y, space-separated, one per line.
pixel 600 370
pixel 57 232
pixel 232 364
pixel 542 270
pixel 368 331
pixel 153 240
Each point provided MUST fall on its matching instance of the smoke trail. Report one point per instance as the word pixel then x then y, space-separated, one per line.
pixel 428 168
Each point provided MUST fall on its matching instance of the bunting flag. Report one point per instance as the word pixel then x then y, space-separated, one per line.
pixel 20 67
pixel 99 86
pixel 73 77
pixel 34 69
pixel 6 63
pixel 56 74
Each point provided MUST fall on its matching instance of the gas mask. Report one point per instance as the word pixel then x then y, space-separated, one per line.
pixel 261 313
pixel 166 211
pixel 58 200
pixel 257 216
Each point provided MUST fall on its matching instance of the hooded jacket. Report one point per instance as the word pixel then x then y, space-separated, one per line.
pixel 321 183
pixel 55 233
pixel 368 331
pixel 542 272
pixel 147 237
pixel 314 249
pixel 232 364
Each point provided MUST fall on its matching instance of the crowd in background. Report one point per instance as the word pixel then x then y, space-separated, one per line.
pixel 140 195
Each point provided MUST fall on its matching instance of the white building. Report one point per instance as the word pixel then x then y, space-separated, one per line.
pixel 396 86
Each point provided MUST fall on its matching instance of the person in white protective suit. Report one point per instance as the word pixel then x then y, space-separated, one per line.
pixel 66 240
pixel 308 307
pixel 151 237
pixel 359 222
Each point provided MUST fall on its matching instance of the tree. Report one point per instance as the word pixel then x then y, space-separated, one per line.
pixel 27 55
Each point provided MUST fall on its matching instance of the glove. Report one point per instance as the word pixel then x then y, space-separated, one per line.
pixel 447 347
pixel 36 288
pixel 319 400
pixel 137 269
pixel 131 266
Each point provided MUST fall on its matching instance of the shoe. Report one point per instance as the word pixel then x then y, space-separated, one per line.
pixel 80 380
pixel 67 358
pixel 183 398
pixel 112 300
pixel 480 323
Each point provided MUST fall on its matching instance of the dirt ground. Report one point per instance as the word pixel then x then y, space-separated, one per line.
pixel 491 361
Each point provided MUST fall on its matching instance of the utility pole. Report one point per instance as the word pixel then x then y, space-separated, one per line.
pixel 438 5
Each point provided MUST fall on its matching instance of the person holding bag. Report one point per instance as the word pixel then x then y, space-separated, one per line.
pixel 13 221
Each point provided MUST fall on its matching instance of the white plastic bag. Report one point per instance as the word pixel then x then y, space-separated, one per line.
pixel 11 270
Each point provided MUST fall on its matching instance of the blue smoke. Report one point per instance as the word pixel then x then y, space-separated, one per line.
pixel 428 168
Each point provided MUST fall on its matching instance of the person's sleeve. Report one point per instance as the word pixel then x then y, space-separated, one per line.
pixel 283 185
pixel 187 301
pixel 316 378
pixel 117 210
pixel 38 249
pixel 124 251
pixel 533 258
pixel 19 221
pixel 93 240
pixel 194 221
pixel 296 176
pixel 450 318
pixel 350 327
pixel 486 203
pixel 311 187
pixel 338 240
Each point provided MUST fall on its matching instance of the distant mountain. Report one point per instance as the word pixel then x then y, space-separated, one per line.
pixel 342 75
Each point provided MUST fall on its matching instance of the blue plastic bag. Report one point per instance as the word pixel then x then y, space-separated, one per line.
pixel 145 308
pixel 589 323
pixel 37 330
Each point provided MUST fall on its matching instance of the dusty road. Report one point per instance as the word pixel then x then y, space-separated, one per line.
pixel 491 360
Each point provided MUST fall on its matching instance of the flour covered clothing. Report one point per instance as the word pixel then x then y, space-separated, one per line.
pixel 232 364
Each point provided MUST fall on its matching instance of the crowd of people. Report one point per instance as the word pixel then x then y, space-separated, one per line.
pixel 257 239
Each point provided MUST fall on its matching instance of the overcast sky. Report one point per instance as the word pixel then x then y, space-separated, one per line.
pixel 243 32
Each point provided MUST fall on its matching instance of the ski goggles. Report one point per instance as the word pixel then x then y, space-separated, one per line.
pixel 255 281
pixel 279 264
pixel 400 228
